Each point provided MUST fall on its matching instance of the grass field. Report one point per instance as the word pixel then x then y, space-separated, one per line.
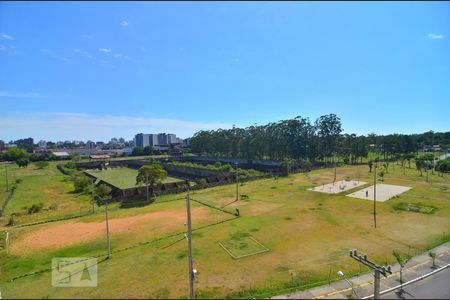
pixel 308 234
pixel 122 177
pixel 47 186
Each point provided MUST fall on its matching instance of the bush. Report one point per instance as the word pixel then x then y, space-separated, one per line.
pixel 35 208
pixel 22 162
pixel 11 221
pixel 41 164
pixel 81 182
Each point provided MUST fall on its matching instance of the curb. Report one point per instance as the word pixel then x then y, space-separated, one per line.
pixel 410 282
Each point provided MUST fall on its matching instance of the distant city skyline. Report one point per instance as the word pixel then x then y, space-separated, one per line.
pixel 94 70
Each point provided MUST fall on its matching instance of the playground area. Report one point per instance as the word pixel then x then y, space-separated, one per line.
pixel 337 187
pixel 384 192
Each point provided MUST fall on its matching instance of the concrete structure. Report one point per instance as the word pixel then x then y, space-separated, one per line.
pixel 384 192
pixel 171 138
pixel 337 187
pixel 141 139
pixel 162 139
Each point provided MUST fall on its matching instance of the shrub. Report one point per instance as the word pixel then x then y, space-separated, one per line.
pixel 35 208
pixel 11 221
pixel 22 162
pixel 80 182
pixel 41 164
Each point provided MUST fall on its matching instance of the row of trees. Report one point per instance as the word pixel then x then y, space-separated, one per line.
pixel 299 138
pixel 295 138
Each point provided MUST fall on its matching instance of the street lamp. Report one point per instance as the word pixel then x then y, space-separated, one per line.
pixel 342 275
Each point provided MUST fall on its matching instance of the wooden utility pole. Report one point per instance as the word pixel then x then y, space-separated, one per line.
pixel 107 229
pixel 189 235
pixel 93 195
pixel 378 270
pixel 334 158
pixel 237 182
pixel 375 195
pixel 6 172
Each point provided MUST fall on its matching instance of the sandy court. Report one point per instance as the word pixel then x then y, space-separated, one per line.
pixel 384 192
pixel 337 187
pixel 73 232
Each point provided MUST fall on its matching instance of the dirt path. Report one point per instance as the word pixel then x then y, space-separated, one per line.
pixel 73 232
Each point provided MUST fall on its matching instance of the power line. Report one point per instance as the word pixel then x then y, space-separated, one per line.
pixel 378 270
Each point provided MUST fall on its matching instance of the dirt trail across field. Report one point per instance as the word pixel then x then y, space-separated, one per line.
pixel 73 232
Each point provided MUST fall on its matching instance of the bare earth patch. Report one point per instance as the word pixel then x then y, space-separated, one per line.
pixel 72 232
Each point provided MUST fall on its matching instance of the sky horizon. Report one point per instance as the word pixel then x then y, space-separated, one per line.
pixel 97 70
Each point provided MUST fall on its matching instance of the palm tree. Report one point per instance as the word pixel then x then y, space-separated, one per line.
pixel 150 175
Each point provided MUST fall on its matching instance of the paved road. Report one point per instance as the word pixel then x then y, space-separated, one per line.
pixel 436 286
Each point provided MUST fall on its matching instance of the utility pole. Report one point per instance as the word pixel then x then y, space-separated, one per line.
pixel 107 229
pixel 334 158
pixel 93 195
pixel 375 195
pixel 189 234
pixel 7 183
pixel 237 181
pixel 378 270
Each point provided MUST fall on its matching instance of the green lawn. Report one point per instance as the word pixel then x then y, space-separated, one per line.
pixel 308 234
pixel 47 186
pixel 123 177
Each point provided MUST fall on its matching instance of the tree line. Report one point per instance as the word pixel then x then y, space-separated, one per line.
pixel 301 139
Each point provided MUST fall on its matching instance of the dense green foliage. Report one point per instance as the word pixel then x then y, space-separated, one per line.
pixel 243 173
pixel 41 164
pixel 315 141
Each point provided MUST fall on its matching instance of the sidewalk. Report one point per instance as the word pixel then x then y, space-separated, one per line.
pixel 363 285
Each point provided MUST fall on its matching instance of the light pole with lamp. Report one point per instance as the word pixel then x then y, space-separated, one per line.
pixel 342 275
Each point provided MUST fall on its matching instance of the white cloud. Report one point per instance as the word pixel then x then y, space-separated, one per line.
pixel 433 36
pixel 2 47
pixel 104 50
pixel 7 37
pixel 87 36
pixel 21 94
pixel 143 49
pixel 83 53
pixel 124 23
pixel 60 125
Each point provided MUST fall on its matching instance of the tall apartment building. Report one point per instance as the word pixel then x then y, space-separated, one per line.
pixel 162 139
pixel 171 138
pixel 153 140
pixel 141 139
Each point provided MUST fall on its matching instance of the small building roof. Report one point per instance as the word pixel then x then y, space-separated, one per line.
pixel 60 153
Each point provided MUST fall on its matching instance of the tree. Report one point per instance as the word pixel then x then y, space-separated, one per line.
pixel 14 154
pixel 420 164
pixel 22 162
pixel 81 182
pixel 381 175
pixel 147 150
pixel 150 175
pixel 41 164
pixel 103 191
pixel 137 151
pixel 75 157
pixel 402 262
pixel 285 166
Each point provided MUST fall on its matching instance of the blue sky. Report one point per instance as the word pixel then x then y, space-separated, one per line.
pixel 96 70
